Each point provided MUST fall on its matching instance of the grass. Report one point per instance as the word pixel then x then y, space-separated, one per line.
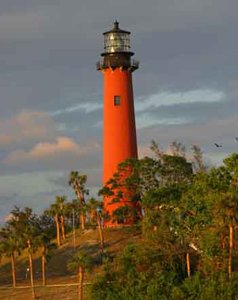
pixel 47 293
pixel 57 273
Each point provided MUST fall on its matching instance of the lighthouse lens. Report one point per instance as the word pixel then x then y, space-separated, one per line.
pixel 117 42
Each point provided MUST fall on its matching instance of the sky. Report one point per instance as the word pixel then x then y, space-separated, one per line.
pixel 51 94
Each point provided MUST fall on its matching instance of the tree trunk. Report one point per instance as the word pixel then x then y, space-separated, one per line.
pixel 223 241
pixel 57 229
pixel 43 262
pixel 188 264
pixel 81 197
pixel 81 279
pixel 62 227
pixel 13 270
pixel 74 237
pixel 31 270
pixel 82 221
pixel 231 245
pixel 92 216
pixel 100 231
pixel 81 204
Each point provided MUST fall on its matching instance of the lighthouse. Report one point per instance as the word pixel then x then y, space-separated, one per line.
pixel 119 129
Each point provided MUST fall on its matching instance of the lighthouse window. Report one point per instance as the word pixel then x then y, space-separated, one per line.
pixel 117 100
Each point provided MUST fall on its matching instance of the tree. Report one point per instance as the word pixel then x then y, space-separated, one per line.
pixel 122 193
pixel 72 212
pixel 80 262
pixel 95 209
pixel 226 205
pixel 10 244
pixel 228 210
pixel 46 246
pixel 189 231
pixel 77 182
pixel 60 202
pixel 44 243
pixel 27 229
pixel 56 211
pixel 178 149
pixel 198 162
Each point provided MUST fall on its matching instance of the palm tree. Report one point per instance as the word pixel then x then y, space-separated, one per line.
pixel 80 262
pixel 42 241
pixel 25 225
pixel 95 209
pixel 9 246
pixel 46 246
pixel 29 232
pixel 60 202
pixel 71 212
pixel 13 234
pixel 1 249
pixel 29 247
pixel 54 211
pixel 77 182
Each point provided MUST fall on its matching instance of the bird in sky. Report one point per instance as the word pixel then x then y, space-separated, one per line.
pixel 236 138
pixel 217 145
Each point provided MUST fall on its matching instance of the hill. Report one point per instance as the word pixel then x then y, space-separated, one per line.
pixel 61 283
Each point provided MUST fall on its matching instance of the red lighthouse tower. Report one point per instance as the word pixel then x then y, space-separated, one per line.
pixel 119 131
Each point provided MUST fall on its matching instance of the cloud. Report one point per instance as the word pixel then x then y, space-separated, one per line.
pixel 174 98
pixel 30 141
pixel 48 51
pixel 86 107
pixel 21 23
pixel 206 132
pixel 220 130
pixel 25 128
pixel 148 119
pixel 61 148
pixel 62 144
pixel 39 189
pixel 170 108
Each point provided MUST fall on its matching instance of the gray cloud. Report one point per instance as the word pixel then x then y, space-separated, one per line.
pixel 222 131
pixel 25 129
pixel 48 50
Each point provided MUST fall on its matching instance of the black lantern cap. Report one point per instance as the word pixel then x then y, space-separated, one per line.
pixel 116 29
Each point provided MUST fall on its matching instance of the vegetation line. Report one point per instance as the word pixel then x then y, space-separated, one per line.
pixel 48 285
pixel 182 242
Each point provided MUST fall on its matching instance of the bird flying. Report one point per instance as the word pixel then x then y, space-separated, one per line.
pixel 217 145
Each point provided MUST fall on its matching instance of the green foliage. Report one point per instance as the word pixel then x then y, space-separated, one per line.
pixel 189 221
pixel 215 287
pixel 188 218
pixel 80 259
pixel 78 182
